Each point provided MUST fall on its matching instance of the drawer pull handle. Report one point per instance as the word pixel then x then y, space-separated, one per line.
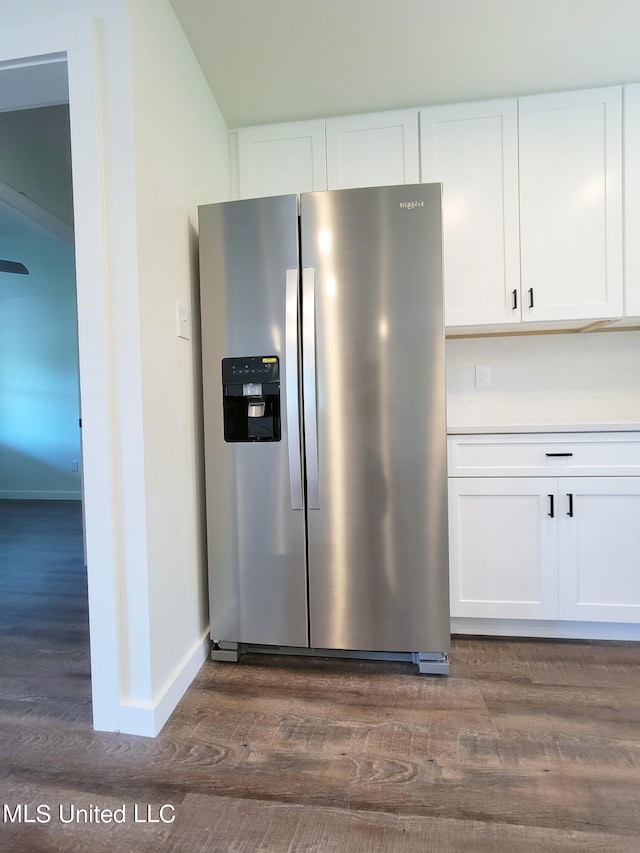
pixel 570 512
pixel 514 304
pixel 550 513
pixel 530 297
pixel 558 454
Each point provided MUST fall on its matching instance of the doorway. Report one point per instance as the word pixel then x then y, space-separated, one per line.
pixel 44 611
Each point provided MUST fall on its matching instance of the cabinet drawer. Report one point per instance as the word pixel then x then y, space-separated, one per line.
pixel 553 454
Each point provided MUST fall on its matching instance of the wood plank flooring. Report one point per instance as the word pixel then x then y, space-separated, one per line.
pixel 526 746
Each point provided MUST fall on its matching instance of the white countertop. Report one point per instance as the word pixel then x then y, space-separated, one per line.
pixel 452 429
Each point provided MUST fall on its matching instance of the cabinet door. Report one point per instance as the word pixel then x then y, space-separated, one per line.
pixel 571 205
pixel 632 199
pixel 280 159
pixel 378 149
pixel 599 549
pixel 473 150
pixel 503 547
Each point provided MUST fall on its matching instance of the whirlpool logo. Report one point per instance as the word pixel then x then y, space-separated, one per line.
pixel 411 205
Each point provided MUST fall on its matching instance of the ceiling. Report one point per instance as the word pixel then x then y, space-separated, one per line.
pixel 29 234
pixel 283 60
pixel 37 81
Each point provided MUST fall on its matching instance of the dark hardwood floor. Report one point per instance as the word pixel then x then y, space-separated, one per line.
pixel 526 746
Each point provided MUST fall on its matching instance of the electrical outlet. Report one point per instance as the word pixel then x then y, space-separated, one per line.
pixel 74 465
pixel 483 376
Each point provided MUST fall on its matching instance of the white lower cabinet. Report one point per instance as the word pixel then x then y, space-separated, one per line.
pixel 503 554
pixel 563 549
pixel 599 549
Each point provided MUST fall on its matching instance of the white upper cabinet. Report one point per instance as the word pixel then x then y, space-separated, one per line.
pixel 570 148
pixel 532 197
pixel 378 149
pixel 632 198
pixel 473 150
pixel 282 158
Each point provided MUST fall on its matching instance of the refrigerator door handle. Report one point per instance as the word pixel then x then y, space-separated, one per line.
pixel 291 386
pixel 309 385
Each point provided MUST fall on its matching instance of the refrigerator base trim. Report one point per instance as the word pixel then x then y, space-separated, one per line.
pixel 428 663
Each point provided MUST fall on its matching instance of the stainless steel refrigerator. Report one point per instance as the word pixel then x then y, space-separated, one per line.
pixel 324 423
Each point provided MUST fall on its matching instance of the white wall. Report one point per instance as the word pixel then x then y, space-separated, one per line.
pixel 569 379
pixel 181 160
pixel 148 144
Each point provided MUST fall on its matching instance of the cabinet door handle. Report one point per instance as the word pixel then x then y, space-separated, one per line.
pixel 550 513
pixel 558 454
pixel 570 511
pixel 514 304
pixel 530 291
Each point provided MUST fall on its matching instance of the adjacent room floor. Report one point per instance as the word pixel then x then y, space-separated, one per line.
pixel 526 746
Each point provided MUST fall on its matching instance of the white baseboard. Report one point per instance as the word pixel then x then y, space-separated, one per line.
pixel 148 719
pixel 546 629
pixel 11 495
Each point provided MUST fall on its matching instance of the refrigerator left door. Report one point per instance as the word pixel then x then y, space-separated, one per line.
pixel 256 538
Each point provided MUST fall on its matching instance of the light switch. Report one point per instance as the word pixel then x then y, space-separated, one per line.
pixel 183 318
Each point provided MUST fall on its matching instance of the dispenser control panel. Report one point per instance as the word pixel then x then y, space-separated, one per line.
pixel 254 368
pixel 251 398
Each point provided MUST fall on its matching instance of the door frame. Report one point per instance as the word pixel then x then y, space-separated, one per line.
pixel 77 37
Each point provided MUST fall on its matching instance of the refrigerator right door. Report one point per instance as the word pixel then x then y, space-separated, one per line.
pixel 375 422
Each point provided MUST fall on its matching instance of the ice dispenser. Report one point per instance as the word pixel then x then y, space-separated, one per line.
pixel 251 398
